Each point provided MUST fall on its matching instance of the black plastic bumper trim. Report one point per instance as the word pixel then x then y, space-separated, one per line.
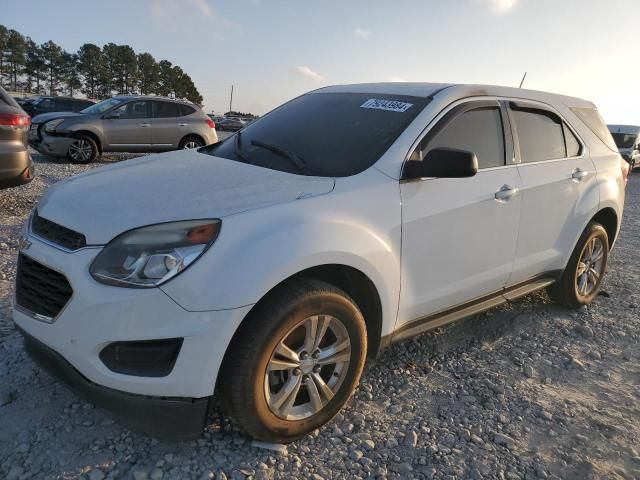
pixel 168 418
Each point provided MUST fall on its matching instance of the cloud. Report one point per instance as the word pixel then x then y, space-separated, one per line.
pixel 307 72
pixel 361 32
pixel 501 6
pixel 397 79
pixel 174 8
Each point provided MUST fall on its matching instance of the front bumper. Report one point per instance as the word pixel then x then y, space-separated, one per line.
pixel 98 315
pixel 55 146
pixel 172 419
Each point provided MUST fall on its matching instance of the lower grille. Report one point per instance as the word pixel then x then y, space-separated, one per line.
pixel 39 289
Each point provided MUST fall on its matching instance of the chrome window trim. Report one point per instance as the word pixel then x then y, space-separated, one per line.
pixel 516 146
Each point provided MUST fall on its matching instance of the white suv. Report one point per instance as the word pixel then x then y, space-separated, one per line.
pixel 269 267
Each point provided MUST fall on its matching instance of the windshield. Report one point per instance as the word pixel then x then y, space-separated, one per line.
pixel 103 106
pixel 624 140
pixel 331 134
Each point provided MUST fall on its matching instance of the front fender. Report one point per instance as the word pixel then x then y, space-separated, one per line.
pixel 257 250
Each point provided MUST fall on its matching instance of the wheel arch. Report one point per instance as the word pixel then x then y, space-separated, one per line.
pixel 90 134
pixel 184 137
pixel 608 218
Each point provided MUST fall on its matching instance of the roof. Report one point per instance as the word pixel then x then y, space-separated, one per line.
pixel 418 89
pixel 153 97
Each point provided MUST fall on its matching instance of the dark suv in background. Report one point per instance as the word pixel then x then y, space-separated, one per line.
pixel 45 104
pixel 16 167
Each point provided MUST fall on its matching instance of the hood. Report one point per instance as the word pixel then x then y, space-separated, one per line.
pixel 45 117
pixel 184 185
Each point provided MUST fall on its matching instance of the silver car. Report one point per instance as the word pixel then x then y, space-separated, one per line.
pixel 122 124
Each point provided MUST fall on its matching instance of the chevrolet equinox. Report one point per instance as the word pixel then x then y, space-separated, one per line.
pixel 270 267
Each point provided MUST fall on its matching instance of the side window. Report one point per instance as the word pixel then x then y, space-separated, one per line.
pixel 574 148
pixel 539 133
pixel 478 131
pixel 166 110
pixel 45 104
pixel 136 109
pixel 186 110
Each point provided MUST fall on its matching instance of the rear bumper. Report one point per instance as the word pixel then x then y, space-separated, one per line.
pixel 16 168
pixel 167 418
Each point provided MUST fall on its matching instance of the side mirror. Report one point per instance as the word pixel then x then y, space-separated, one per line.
pixel 442 163
pixel 112 115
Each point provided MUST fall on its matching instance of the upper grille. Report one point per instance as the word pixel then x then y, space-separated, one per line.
pixel 57 234
pixel 40 289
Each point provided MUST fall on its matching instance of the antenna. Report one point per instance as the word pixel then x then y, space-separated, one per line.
pixel 522 81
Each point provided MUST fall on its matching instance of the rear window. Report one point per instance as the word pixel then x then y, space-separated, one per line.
pixel 7 99
pixel 593 120
pixel 540 134
pixel 336 134
pixel 166 109
pixel 624 140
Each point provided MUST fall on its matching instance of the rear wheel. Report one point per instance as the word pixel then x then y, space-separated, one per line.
pixel 581 280
pixel 83 149
pixel 191 142
pixel 295 362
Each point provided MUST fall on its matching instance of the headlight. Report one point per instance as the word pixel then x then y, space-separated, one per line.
pixel 52 125
pixel 150 256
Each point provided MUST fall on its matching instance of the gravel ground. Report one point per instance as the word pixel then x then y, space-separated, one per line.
pixel 528 390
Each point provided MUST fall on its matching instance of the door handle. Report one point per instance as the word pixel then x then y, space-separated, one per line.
pixel 579 174
pixel 505 193
pixel 144 125
pixel 183 124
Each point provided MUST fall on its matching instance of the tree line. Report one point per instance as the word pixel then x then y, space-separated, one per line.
pixel 97 72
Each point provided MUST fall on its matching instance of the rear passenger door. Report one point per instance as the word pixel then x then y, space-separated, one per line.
pixel 459 234
pixel 557 174
pixel 168 126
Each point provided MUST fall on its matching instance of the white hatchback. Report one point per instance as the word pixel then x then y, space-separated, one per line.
pixel 271 266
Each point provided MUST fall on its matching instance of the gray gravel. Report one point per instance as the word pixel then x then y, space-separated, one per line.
pixel 528 390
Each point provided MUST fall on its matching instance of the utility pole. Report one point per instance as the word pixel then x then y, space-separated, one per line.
pixel 231 100
pixel 522 81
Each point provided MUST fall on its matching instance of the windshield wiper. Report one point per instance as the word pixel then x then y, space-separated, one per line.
pixel 298 162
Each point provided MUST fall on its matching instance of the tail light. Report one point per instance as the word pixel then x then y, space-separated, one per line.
pixel 625 167
pixel 211 123
pixel 16 121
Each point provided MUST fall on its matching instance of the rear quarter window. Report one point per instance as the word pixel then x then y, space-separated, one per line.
pixel 186 110
pixel 592 119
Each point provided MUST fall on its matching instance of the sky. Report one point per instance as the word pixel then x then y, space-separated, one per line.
pixel 274 50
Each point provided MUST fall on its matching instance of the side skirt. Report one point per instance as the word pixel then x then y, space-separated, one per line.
pixel 444 317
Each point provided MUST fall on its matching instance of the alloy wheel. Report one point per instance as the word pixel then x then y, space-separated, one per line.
pixel 590 267
pixel 191 144
pixel 307 367
pixel 80 150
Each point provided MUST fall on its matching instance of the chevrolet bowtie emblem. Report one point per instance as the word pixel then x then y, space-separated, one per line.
pixel 24 243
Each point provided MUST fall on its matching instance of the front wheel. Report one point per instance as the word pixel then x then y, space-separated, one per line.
pixel 581 280
pixel 83 149
pixel 295 362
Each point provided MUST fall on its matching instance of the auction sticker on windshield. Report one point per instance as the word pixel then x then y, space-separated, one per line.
pixel 390 105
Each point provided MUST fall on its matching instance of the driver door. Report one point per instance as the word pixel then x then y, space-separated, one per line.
pixel 459 234
pixel 128 127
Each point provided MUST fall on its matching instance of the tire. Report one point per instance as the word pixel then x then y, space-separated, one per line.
pixel 82 150
pixel 575 289
pixel 190 142
pixel 256 399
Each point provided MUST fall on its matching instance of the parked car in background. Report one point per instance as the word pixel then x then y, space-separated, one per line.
pixel 216 118
pixel 627 138
pixel 131 123
pixel 270 264
pixel 230 123
pixel 16 167
pixel 44 104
